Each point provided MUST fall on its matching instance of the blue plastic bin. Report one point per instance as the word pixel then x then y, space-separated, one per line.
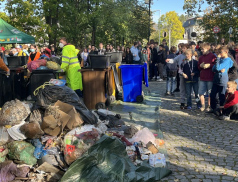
pixel 132 82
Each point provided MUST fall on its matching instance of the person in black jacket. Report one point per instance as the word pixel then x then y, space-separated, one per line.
pixel 161 61
pixel 129 56
pixel 191 76
pixel 153 66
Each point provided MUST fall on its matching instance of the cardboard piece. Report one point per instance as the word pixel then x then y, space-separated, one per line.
pixel 53 127
pixel 152 148
pixel 75 119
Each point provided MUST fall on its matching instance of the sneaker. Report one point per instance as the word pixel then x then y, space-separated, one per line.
pixel 189 107
pixel 208 108
pixel 182 106
pixel 210 111
pixel 172 94
pixel 167 93
pixel 177 90
pixel 223 117
pixel 160 80
pixel 158 77
pixel 202 108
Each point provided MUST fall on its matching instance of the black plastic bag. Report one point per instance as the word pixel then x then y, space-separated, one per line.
pixel 49 94
pixel 108 161
pixel 56 60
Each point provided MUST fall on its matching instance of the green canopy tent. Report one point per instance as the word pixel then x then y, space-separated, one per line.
pixel 11 35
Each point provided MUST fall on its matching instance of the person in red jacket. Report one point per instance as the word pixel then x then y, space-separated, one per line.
pixel 205 64
pixel 230 108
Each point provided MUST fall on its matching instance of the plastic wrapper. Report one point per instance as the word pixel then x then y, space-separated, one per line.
pixel 51 94
pixel 52 65
pixel 157 160
pixel 21 152
pixel 57 82
pixel 14 112
pixel 107 161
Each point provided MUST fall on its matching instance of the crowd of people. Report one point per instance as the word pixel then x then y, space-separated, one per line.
pixel 204 70
pixel 34 52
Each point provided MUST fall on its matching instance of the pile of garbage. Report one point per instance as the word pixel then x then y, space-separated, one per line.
pixel 58 139
pixel 44 64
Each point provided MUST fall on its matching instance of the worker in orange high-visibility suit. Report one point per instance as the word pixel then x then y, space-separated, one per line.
pixel 71 66
pixel 34 55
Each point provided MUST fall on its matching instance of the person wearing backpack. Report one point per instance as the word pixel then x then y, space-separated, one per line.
pixel 171 70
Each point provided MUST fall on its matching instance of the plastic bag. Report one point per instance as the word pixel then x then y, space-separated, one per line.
pixel 21 152
pixel 107 161
pixel 52 93
pixel 56 60
pixel 78 141
pixel 4 137
pixel 15 132
pixel 144 135
pixel 14 112
pixel 3 153
pixel 39 149
pixel 52 65
pixel 33 65
pixel 9 170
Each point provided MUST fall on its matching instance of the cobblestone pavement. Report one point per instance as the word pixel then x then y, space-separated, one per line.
pixel 200 147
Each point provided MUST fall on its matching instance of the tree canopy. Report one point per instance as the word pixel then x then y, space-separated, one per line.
pixel 221 13
pixel 169 21
pixel 83 22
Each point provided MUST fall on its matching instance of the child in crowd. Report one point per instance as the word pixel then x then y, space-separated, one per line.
pixel 230 108
pixel 191 75
pixel 171 73
pixel 205 64
pixel 179 60
pixel 161 61
pixel 223 64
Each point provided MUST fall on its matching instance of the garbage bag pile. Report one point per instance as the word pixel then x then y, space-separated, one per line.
pixel 58 139
pixel 44 64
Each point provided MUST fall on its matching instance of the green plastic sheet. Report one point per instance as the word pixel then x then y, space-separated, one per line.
pixel 107 161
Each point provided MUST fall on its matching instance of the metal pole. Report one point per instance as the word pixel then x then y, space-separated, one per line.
pixel 159 27
pixel 149 22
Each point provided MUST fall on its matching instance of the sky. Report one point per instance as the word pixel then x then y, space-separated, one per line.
pixel 168 5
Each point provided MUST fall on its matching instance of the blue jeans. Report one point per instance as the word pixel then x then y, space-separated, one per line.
pixel 205 87
pixel 189 86
pixel 136 62
pixel 221 91
pixel 170 84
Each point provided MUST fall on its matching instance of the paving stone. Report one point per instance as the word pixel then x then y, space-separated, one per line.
pixel 199 144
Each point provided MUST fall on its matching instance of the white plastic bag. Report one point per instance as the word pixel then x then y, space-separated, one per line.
pixel 4 137
pixel 144 136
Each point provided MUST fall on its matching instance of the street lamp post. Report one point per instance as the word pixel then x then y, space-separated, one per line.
pixel 148 2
